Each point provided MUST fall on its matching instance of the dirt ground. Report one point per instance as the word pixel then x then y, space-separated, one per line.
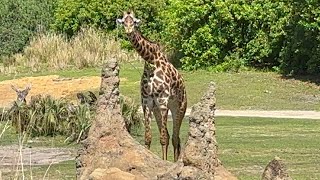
pixel 33 156
pixel 52 85
pixel 56 87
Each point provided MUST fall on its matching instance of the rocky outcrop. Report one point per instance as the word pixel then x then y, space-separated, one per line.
pixel 112 173
pixel 110 152
pixel 109 145
pixel 201 147
pixel 199 158
pixel 275 170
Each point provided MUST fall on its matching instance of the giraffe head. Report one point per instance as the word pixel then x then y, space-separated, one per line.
pixel 129 21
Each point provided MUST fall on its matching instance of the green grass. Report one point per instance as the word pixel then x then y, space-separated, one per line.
pixel 63 171
pixel 10 137
pixel 72 73
pixel 235 91
pixel 247 145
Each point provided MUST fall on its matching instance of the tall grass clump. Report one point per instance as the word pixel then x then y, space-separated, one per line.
pixel 130 113
pixel 89 48
pixel 47 116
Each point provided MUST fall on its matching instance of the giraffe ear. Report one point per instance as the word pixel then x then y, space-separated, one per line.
pixel 136 21
pixel 119 21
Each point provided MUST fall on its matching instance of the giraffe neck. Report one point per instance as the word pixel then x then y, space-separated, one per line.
pixel 148 50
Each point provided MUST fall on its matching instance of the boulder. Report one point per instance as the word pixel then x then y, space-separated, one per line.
pixel 199 157
pixel 111 174
pixel 275 170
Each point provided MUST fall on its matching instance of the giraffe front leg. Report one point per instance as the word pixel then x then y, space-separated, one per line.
pixel 161 119
pixel 164 135
pixel 147 124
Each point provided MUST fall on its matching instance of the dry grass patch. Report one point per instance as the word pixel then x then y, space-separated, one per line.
pixel 89 48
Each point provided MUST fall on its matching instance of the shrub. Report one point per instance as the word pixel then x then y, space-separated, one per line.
pixel 210 33
pixel 71 15
pixel 19 115
pixel 227 34
pixel 301 50
pixel 130 113
pixel 20 19
pixel 89 48
pixel 46 116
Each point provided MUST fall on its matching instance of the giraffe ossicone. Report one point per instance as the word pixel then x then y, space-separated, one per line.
pixel 162 87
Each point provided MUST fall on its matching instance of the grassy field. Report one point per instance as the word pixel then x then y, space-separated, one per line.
pixel 246 145
pixel 235 91
pixel 62 171
pixel 244 90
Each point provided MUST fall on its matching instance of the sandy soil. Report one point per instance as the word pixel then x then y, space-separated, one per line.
pixel 53 85
pixel 56 87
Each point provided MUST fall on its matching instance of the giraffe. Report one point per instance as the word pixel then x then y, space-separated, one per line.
pixel 162 87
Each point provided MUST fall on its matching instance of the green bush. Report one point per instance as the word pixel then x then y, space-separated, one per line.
pixel 130 113
pixel 39 117
pixel 226 35
pixel 71 15
pixel 46 116
pixel 210 33
pixel 301 51
pixel 20 19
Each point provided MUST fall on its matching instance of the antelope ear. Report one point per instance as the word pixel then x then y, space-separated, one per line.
pixel 14 88
pixel 119 21
pixel 29 86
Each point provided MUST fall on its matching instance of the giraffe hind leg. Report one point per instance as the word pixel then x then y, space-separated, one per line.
pixel 178 113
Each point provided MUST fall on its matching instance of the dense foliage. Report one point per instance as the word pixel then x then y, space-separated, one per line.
pixel 20 19
pixel 46 116
pixel 71 15
pixel 219 35
pixel 222 34
pixel 301 50
pixel 228 34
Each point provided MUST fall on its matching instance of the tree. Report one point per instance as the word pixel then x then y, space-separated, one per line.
pixel 20 19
